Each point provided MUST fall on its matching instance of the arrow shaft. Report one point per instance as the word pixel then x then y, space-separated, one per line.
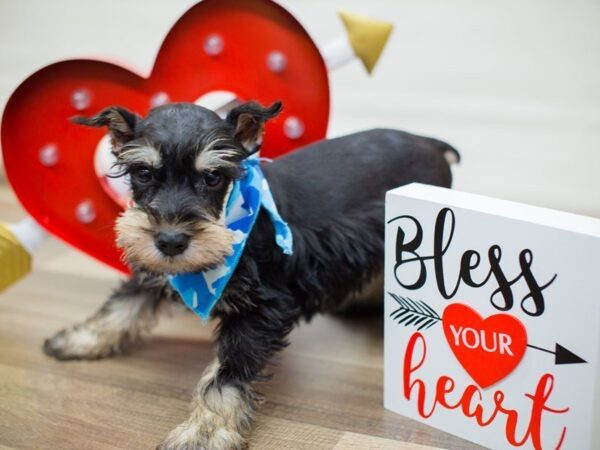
pixel 541 349
pixel 29 232
pixel 337 53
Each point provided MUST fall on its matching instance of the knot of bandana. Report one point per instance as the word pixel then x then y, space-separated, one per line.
pixel 201 291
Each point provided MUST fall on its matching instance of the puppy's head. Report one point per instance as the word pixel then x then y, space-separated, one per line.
pixel 181 160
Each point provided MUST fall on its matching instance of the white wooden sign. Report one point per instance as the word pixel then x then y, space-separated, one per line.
pixel 492 319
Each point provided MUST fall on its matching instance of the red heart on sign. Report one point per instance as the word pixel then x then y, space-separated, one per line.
pixel 254 49
pixel 488 349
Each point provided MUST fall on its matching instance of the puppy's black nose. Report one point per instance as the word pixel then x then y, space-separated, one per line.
pixel 171 243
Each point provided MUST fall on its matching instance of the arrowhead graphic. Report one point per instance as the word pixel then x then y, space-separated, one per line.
pixel 564 356
pixel 367 37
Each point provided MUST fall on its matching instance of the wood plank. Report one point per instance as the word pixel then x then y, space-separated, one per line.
pixel 276 434
pixel 352 441
pixel 43 410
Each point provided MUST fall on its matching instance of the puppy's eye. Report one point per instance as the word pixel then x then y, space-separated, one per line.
pixel 213 179
pixel 143 175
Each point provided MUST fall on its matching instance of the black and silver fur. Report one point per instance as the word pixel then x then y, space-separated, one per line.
pixel 332 195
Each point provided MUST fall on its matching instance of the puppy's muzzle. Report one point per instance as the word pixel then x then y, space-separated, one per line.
pixel 171 243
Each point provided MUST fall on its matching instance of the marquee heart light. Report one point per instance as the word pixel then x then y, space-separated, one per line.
pixel 254 49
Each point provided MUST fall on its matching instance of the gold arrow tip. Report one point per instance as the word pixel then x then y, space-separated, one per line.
pixel 15 262
pixel 367 37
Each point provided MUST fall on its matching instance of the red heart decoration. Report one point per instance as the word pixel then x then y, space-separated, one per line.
pixel 488 349
pixel 49 161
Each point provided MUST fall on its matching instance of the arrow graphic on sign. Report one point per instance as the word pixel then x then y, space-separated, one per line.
pixel 419 314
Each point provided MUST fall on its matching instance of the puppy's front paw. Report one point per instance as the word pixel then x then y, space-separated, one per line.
pixel 81 342
pixel 207 431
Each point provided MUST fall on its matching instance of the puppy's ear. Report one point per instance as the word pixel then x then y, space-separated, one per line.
pixel 248 121
pixel 119 121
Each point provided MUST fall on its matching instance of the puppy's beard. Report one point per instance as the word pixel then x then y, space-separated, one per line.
pixel 209 245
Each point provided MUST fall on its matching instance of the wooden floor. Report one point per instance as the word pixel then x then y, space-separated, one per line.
pixel 326 392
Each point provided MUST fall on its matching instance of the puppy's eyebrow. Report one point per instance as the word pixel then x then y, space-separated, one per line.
pixel 210 157
pixel 144 154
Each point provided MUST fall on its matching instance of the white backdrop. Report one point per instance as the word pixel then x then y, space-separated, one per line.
pixel 513 84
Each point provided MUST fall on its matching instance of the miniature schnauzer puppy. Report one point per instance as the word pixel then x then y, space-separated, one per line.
pixel 182 160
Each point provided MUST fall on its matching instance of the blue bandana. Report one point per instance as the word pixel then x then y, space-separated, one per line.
pixel 201 291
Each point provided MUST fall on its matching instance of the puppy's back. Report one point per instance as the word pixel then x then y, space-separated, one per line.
pixel 342 175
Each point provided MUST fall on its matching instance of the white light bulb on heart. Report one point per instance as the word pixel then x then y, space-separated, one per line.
pixel 276 61
pixel 159 99
pixel 213 45
pixel 293 127
pixel 85 212
pixel 49 155
pixel 81 99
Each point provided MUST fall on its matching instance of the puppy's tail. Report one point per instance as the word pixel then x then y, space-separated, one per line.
pixel 450 153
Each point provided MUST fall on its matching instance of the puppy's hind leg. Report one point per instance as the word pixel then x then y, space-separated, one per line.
pixel 131 310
